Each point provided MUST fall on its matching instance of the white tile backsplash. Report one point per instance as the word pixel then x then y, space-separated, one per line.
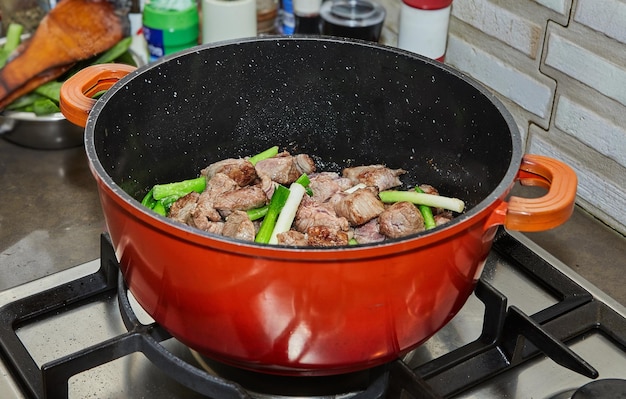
pixel 560 68
pixel 606 16
pixel 591 128
pixel 586 66
pixel 498 21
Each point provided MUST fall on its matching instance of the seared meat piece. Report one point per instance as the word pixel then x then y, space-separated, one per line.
pixel 325 184
pixel 268 186
pixel 359 207
pixel 442 217
pixel 242 199
pixel 293 238
pixel 401 219
pixel 368 233
pixel 428 189
pixel 219 184
pixel 240 170
pixel 238 225
pixel 73 30
pixel 205 211
pixel 378 176
pixel 214 227
pixel 284 168
pixel 312 213
pixel 183 208
pixel 323 236
pixel 304 164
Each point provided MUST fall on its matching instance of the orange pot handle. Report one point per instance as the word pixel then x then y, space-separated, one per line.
pixel 548 211
pixel 76 93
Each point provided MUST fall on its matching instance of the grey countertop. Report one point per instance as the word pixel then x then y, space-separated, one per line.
pixel 50 220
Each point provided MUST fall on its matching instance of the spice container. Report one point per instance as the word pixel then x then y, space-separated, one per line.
pixel 228 19
pixel 287 20
pixel 266 14
pixel 170 26
pixel 423 27
pixel 307 16
pixel 356 19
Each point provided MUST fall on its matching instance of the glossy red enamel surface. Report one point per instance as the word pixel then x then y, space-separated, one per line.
pixel 296 311
pixel 310 311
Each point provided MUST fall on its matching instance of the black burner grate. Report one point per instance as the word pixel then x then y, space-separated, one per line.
pixel 509 337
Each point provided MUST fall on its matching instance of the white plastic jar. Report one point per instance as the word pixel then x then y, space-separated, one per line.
pixel 423 27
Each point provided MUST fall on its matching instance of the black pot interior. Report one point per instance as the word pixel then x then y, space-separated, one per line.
pixel 344 102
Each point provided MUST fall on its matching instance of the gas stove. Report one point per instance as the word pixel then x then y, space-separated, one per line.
pixel 532 329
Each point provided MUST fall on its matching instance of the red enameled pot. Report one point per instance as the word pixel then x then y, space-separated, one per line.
pixel 304 311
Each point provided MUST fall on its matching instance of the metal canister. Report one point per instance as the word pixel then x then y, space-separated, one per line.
pixel 357 19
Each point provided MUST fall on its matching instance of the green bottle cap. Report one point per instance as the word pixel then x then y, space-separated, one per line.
pixel 179 27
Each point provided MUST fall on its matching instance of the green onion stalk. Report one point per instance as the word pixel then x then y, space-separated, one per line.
pixel 435 201
pixel 427 213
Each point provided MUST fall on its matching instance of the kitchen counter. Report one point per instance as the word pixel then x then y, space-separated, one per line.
pixel 51 220
pixel 50 217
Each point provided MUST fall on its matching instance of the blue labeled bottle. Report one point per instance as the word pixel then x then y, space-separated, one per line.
pixel 170 26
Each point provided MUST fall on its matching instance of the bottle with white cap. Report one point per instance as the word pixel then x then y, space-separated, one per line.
pixel 423 27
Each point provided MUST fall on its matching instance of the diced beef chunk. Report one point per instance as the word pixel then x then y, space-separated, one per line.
pixel 401 219
pixel 242 199
pixel 219 184
pixel 183 208
pixel 284 168
pixel 293 238
pixel 240 170
pixel 359 207
pixel 238 225
pixel 442 217
pixel 304 164
pixel 325 184
pixel 324 236
pixel 268 186
pixel 340 207
pixel 312 213
pixel 205 211
pixel 214 227
pixel 368 233
pixel 428 189
pixel 379 176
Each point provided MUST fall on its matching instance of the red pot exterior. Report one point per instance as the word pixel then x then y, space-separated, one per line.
pixel 306 311
pixel 287 311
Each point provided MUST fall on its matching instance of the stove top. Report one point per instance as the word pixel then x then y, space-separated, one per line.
pixel 532 329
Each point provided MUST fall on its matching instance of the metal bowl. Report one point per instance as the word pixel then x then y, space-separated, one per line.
pixel 48 132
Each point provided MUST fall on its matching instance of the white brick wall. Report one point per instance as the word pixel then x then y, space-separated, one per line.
pixel 584 59
pixel 560 6
pixel 606 16
pixel 560 68
pixel 498 21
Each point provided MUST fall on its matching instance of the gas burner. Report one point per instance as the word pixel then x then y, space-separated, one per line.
pixel 263 386
pixel 375 383
pixel 611 388
pixel 510 340
pixel 608 388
